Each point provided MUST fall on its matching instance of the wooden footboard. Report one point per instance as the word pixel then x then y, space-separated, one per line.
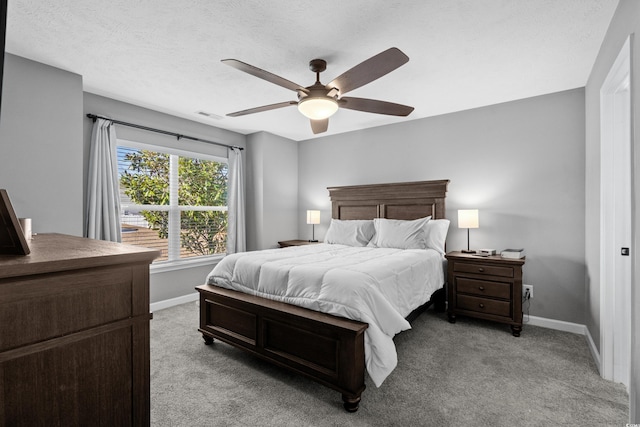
pixel 323 347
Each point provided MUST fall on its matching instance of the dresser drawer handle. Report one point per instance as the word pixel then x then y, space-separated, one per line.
pixel 481 305
pixel 480 269
pixel 481 288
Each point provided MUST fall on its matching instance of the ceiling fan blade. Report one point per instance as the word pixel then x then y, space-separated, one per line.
pixel 319 126
pixel 369 70
pixel 265 75
pixel 263 108
pixel 374 106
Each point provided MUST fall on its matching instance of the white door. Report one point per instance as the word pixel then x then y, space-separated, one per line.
pixel 615 225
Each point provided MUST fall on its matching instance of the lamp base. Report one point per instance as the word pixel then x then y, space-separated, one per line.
pixel 467 251
pixel 313 241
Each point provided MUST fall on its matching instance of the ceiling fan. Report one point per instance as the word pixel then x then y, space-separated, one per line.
pixel 318 102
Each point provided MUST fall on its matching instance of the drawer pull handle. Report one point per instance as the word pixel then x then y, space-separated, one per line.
pixel 481 305
pixel 481 288
pixel 480 269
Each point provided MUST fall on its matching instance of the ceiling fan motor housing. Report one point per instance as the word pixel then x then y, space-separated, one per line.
pixel 315 91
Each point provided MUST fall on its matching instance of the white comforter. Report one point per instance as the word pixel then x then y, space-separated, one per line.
pixel 377 286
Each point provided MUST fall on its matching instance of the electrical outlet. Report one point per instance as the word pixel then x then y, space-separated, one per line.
pixel 527 292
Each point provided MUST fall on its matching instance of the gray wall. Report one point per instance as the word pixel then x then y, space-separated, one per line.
pixel 520 163
pixel 172 284
pixel 41 144
pixel 272 190
pixel 626 21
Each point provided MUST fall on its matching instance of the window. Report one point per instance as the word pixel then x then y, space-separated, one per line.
pixel 173 201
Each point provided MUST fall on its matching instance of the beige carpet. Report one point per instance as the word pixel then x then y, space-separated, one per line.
pixel 472 373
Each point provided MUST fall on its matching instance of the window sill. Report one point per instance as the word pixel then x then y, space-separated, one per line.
pixel 165 266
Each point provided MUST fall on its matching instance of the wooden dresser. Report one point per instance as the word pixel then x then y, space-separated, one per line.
pixel 485 287
pixel 74 334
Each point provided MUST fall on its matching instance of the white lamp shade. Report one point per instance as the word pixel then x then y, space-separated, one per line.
pixel 317 108
pixel 313 217
pixel 468 218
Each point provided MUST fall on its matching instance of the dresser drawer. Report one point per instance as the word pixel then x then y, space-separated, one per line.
pixel 485 269
pixel 484 305
pixel 483 288
pixel 60 304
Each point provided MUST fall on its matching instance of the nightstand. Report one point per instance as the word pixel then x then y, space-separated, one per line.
pixel 285 243
pixel 485 287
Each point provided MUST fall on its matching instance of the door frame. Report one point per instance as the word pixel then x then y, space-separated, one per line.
pixel 615 220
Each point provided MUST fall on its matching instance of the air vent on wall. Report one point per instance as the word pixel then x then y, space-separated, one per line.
pixel 209 115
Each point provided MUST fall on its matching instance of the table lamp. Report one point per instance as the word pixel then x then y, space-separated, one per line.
pixel 313 218
pixel 468 218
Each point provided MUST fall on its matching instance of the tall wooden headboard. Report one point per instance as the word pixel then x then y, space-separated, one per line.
pixel 405 200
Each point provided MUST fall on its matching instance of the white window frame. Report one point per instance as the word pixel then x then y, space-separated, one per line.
pixel 175 262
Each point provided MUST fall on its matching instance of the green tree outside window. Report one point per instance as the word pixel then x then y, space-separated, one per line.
pixel 201 183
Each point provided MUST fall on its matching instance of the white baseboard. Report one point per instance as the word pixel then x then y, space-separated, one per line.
pixel 174 301
pixel 558 325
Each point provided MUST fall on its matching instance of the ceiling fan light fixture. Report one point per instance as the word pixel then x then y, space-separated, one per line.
pixel 318 108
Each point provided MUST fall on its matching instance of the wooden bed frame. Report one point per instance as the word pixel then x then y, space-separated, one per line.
pixel 326 348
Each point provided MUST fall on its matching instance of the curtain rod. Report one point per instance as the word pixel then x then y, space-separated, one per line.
pixel 177 135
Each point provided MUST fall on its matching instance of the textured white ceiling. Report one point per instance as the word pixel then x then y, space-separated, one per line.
pixel 165 54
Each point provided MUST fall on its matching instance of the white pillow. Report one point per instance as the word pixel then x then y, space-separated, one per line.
pixel 436 234
pixel 400 234
pixel 355 232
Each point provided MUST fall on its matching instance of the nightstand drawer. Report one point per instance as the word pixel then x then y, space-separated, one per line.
pixel 484 305
pixel 483 288
pixel 489 270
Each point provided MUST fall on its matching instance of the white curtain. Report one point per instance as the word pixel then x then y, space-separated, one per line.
pixel 236 238
pixel 103 197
